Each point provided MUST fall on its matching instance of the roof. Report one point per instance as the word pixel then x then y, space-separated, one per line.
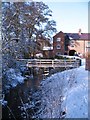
pixel 76 36
pixel 58 34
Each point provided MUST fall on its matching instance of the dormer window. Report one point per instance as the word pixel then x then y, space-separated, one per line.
pixel 58 39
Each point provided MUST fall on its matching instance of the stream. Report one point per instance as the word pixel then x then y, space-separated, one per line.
pixel 21 94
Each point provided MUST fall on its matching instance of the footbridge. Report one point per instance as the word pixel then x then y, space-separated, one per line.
pixel 45 63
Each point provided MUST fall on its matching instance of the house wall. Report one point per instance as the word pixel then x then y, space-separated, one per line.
pixel 80 47
pixel 56 43
pixel 87 67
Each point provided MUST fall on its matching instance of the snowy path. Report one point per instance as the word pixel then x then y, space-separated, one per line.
pixel 67 92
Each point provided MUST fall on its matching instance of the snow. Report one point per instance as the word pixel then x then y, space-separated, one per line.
pixel 70 38
pixel 13 78
pixel 76 103
pixel 65 92
pixel 72 57
pixel 39 55
pixel 47 48
pixel 3 102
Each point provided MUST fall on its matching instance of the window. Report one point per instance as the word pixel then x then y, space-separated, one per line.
pixel 72 43
pixel 58 47
pixel 58 39
pixel 58 53
pixel 88 44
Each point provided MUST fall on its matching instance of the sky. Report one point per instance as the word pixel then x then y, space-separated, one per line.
pixel 70 16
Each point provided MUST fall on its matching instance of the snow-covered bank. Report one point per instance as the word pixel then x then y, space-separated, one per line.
pixel 65 92
pixel 76 102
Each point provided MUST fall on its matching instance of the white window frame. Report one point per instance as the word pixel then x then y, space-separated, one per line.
pixel 58 39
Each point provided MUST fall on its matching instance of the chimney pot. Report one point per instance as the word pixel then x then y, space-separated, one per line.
pixel 79 32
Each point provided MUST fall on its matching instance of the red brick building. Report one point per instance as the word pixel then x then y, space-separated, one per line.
pixel 58 44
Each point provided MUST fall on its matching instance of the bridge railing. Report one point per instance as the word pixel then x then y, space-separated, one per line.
pixel 52 63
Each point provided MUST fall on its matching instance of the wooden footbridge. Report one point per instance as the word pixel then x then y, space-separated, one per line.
pixel 45 63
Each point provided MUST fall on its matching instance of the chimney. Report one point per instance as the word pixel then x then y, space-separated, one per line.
pixel 79 32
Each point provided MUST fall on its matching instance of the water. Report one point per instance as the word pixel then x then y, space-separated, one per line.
pixel 20 95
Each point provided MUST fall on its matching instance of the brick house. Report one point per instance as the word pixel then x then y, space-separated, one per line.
pixel 79 42
pixel 76 42
pixel 58 44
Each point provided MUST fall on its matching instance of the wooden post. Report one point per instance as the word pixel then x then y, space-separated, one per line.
pixel 52 63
